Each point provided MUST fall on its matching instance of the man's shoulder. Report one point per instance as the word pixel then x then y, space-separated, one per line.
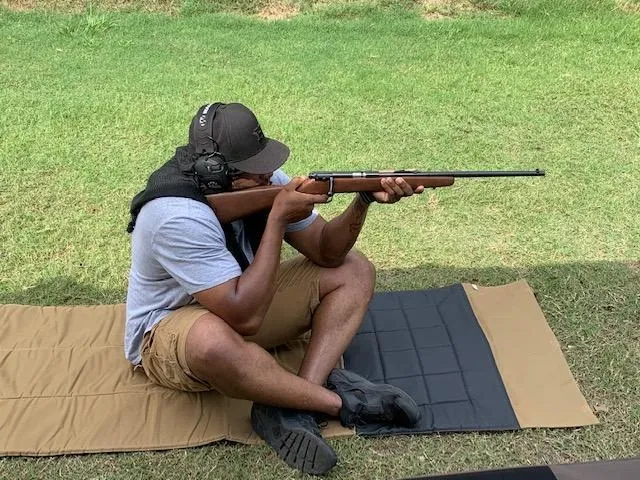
pixel 177 210
pixel 168 207
pixel 279 177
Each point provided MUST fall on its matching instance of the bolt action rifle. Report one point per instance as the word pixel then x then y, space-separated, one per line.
pixel 229 206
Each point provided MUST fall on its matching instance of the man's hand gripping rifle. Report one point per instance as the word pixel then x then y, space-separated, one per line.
pixel 229 206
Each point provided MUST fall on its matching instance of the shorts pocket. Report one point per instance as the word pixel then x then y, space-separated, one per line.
pixel 161 362
pixel 162 366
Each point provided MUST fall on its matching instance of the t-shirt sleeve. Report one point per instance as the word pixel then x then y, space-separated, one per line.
pixel 281 178
pixel 192 249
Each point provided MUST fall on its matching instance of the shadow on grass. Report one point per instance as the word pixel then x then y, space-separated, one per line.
pixel 548 277
pixel 596 283
pixel 583 302
pixel 63 291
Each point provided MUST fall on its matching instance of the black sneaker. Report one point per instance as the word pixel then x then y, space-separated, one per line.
pixel 295 436
pixel 364 402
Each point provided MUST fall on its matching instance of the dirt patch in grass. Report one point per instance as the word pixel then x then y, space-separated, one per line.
pixel 278 10
pixel 20 5
pixel 438 9
pixel 75 6
pixel 269 10
pixel 629 6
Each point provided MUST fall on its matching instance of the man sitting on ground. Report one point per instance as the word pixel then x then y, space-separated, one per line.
pixel 205 300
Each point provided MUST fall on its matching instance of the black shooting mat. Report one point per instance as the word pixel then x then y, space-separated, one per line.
pixel 623 469
pixel 523 473
pixel 429 343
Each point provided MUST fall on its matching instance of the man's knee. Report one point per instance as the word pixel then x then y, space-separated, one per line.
pixel 211 344
pixel 221 357
pixel 360 271
pixel 356 274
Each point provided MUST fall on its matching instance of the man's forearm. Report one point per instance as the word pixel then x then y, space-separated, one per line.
pixel 257 285
pixel 340 234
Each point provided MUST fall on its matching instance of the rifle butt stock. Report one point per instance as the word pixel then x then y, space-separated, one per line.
pixel 230 206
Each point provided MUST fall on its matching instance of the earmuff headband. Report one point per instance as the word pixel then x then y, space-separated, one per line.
pixel 203 129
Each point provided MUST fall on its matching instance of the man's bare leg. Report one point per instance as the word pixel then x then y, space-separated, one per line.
pixel 242 369
pixel 345 293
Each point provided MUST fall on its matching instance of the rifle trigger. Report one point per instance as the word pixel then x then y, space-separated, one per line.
pixel 331 189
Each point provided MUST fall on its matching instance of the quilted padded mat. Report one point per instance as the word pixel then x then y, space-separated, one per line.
pixel 473 358
pixel 429 343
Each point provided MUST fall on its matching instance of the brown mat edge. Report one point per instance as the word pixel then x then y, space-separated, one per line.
pixel 539 383
pixel 137 448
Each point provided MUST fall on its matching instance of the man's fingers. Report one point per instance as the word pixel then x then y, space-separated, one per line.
pixel 396 189
pixel 315 198
pixel 312 198
pixel 388 184
pixel 295 183
pixel 404 186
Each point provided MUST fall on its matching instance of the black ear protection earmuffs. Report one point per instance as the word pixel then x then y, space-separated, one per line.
pixel 210 167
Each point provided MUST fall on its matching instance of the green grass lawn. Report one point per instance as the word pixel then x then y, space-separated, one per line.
pixel 93 100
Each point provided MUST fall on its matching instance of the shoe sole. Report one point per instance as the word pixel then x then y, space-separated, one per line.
pixel 300 449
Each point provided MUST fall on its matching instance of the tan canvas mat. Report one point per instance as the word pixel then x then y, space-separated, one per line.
pixel 65 386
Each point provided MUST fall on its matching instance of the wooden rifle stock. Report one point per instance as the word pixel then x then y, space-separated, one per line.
pixel 229 206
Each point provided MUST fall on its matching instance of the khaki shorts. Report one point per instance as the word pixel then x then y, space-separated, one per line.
pixel 289 316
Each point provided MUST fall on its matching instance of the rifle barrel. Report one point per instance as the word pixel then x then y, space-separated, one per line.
pixel 414 173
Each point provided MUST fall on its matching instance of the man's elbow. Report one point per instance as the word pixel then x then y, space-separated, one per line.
pixel 247 326
pixel 242 322
pixel 243 316
pixel 330 262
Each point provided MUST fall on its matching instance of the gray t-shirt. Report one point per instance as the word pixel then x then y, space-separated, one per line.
pixel 178 249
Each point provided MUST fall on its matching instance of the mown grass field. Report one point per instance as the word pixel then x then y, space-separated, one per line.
pixel 93 99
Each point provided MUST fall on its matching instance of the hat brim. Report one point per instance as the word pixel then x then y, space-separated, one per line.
pixel 267 160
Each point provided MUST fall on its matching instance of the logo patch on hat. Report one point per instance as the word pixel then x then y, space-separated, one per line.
pixel 257 132
pixel 203 117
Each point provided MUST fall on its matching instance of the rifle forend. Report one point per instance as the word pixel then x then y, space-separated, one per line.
pixel 229 206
